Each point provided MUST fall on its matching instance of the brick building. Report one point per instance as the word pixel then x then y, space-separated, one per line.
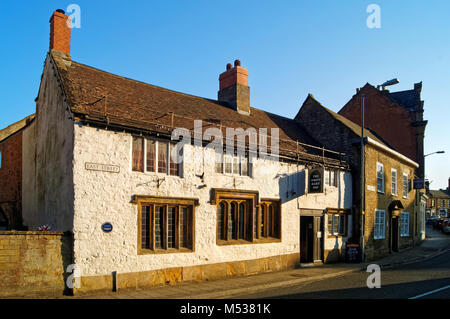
pixel 106 161
pixel 397 117
pixel 392 221
pixel 11 174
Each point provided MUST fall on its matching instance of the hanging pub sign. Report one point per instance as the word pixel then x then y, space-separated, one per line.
pixel 315 180
pixel 419 183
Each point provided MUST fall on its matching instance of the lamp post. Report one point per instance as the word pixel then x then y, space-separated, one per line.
pixel 363 208
pixel 438 152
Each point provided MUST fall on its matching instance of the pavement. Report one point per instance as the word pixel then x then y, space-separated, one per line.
pixel 435 244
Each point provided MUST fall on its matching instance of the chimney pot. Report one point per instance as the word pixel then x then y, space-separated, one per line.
pixel 237 63
pixel 229 66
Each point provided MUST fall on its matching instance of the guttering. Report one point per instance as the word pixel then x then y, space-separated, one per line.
pixel 390 151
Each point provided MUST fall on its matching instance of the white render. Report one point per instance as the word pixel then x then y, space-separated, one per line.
pixel 63 193
pixel 106 197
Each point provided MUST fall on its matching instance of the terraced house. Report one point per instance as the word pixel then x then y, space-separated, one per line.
pixel 386 210
pixel 104 163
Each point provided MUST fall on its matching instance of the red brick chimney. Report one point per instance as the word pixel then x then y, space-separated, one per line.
pixel 60 31
pixel 234 89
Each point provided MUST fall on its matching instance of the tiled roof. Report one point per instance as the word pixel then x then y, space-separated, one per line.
pixel 14 128
pixel 96 95
pixel 355 128
pixel 439 194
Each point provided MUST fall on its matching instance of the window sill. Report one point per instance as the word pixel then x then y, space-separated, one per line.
pixel 155 174
pixel 337 236
pixel 144 251
pixel 381 238
pixel 247 242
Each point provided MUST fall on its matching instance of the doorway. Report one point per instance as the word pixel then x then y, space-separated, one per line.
pixel 394 223
pixel 311 239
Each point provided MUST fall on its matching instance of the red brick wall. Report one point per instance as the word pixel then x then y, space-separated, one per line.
pixel 388 119
pixel 11 177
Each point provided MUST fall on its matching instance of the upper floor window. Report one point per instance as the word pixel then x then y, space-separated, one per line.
pixel 232 164
pixel 0 159
pixel 331 178
pixel 155 156
pixel 394 181
pixel 405 185
pixel 380 178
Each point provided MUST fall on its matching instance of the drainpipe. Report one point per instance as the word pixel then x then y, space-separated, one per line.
pixel 363 186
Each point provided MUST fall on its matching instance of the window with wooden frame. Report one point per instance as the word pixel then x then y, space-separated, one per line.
pixel 165 224
pixel 380 178
pixel 234 220
pixel 158 156
pixel 337 224
pixel 405 185
pixel 238 218
pixel 268 220
pixel 394 182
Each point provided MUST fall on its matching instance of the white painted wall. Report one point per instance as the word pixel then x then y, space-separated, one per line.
pixel 105 197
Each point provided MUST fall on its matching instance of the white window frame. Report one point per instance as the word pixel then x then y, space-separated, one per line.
pixel 404 224
pixel 403 185
pixel 382 167
pixel 394 189
pixel 331 178
pixel 169 158
pixel 379 225
pixel 341 220
pixel 241 159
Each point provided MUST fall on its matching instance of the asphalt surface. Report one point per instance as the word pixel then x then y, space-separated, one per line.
pixel 429 279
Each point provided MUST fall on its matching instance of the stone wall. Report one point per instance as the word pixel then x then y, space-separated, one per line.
pixel 33 263
pixel 376 248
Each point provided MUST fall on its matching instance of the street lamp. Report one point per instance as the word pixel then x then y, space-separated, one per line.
pixel 438 152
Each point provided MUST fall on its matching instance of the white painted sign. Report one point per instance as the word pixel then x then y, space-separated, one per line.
pixel 102 167
pixel 371 188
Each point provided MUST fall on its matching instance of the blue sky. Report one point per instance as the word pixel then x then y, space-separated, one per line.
pixel 291 48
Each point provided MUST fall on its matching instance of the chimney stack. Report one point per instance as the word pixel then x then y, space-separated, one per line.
pixel 448 188
pixel 234 89
pixel 60 32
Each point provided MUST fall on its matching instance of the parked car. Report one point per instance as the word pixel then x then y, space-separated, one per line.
pixel 446 226
pixel 436 223
pixel 431 220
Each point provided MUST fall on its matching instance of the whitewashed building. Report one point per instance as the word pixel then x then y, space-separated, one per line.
pixel 97 162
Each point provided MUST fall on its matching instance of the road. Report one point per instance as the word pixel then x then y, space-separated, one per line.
pixel 420 280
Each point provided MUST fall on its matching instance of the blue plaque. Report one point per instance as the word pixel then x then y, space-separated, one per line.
pixel 107 227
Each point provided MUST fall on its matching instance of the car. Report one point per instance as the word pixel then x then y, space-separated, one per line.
pixel 430 220
pixel 446 227
pixel 436 223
